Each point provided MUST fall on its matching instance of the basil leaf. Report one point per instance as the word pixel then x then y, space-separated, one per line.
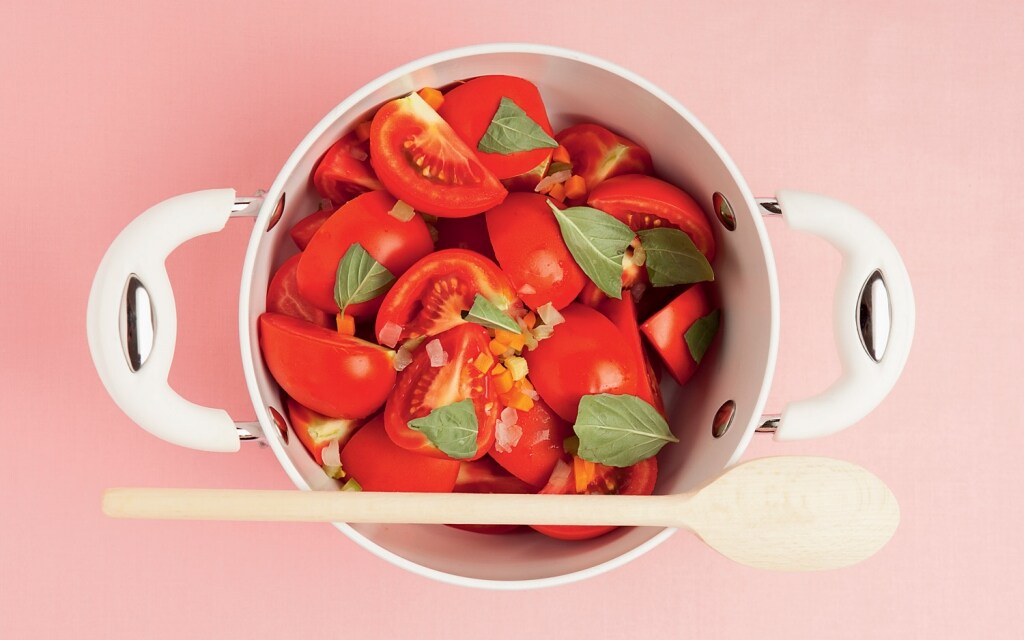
pixel 619 431
pixel 597 242
pixel 672 258
pixel 359 278
pixel 700 334
pixel 486 314
pixel 511 130
pixel 452 428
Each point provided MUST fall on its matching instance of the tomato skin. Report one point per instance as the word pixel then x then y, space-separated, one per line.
pixel 423 162
pixel 539 448
pixel 377 464
pixel 283 296
pixel 585 355
pixel 304 229
pixel 528 244
pixel 430 297
pixel 306 423
pixel 623 314
pixel 365 219
pixel 421 388
pixel 638 479
pixel 343 172
pixel 470 107
pixel 598 154
pixel 464 233
pixel 643 202
pixel 337 375
pixel 666 330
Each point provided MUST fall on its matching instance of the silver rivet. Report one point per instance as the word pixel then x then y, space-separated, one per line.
pixel 724 211
pixel 278 212
pixel 723 419
pixel 279 422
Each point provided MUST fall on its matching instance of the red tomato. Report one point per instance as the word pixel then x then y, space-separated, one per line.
pixel 464 233
pixel 598 154
pixel 304 229
pixel 666 330
pixel 644 202
pixel 422 388
pixel 638 479
pixel 585 355
pixel 540 446
pixel 317 431
pixel 470 107
pixel 343 172
pixel 391 242
pixel 530 249
pixel 485 476
pixel 424 163
pixel 378 465
pixel 283 296
pixel 623 314
pixel 334 374
pixel 431 296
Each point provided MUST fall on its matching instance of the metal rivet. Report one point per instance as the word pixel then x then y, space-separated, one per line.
pixel 724 211
pixel 874 316
pixel 278 212
pixel 723 419
pixel 279 421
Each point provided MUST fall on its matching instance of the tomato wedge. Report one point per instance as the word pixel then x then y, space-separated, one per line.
pixel 343 172
pixel 598 154
pixel 644 202
pixel 431 296
pixel 666 330
pixel 422 387
pixel 424 163
pixel 378 465
pixel 316 431
pixel 334 374
pixel 283 296
pixel 623 314
pixel 539 448
pixel 304 229
pixel 485 476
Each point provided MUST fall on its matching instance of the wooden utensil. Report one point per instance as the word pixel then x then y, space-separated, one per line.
pixel 789 513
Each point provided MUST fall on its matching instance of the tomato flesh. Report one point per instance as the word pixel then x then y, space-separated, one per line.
pixel 623 314
pixel 420 159
pixel 666 330
pixel 377 464
pixel 304 229
pixel 283 296
pixel 598 154
pixel 540 446
pixel 343 172
pixel 316 431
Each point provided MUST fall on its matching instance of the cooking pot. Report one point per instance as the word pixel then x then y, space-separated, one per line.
pixel 132 324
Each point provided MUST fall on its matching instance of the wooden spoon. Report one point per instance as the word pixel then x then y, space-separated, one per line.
pixel 789 513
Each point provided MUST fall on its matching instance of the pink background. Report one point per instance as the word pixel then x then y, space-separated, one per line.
pixel 913 114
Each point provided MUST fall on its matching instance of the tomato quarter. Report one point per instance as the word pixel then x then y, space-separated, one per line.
pixel 317 431
pixel 283 296
pixel 623 314
pixel 377 464
pixel 666 330
pixel 598 154
pixel 304 229
pixel 343 172
pixel 540 445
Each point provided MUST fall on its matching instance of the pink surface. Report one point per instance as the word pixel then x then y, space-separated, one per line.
pixel 912 114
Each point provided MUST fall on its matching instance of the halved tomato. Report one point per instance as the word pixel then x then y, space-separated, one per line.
pixel 431 296
pixel 422 387
pixel 485 476
pixel 304 229
pixel 666 330
pixel 316 431
pixel 334 374
pixel 581 477
pixel 470 107
pixel 540 445
pixel 623 314
pixel 424 163
pixel 598 154
pixel 529 246
pixel 343 172
pixel 365 219
pixel 377 464
pixel 283 296
pixel 644 202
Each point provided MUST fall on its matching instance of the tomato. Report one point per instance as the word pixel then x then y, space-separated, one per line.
pixel 378 465
pixel 598 154
pixel 529 246
pixel 343 172
pixel 316 431
pixel 431 296
pixel 283 296
pixel 623 314
pixel 464 233
pixel 470 107
pixel 539 447
pixel 638 479
pixel 365 219
pixel 485 476
pixel 334 374
pixel 304 229
pixel 666 330
pixel 585 355
pixel 424 163
pixel 644 202
pixel 422 388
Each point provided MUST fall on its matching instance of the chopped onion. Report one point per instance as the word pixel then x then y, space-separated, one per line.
pixel 639 256
pixel 637 291
pixel 527 290
pixel 403 358
pixel 543 332
pixel 390 333
pixel 506 432
pixel 331 454
pixel 549 314
pixel 436 353
pixel 326 204
pixel 509 415
pixel 402 211
pixel 557 177
pixel 358 154
pixel 531 394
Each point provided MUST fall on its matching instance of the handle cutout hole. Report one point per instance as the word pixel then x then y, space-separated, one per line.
pixel 723 418
pixel 723 211
pixel 279 422
pixel 278 212
pixel 137 323
pixel 874 316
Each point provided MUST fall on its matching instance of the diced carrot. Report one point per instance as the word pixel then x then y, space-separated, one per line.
pixel 584 470
pixel 484 362
pixel 432 96
pixel 503 382
pixel 557 192
pixel 530 319
pixel 561 154
pixel 526 384
pixel 519 401
pixel 363 131
pixel 575 187
pixel 497 347
pixel 346 324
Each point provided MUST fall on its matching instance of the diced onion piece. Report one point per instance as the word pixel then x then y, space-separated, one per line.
pixel 326 204
pixel 403 358
pixel 331 454
pixel 506 432
pixel 517 367
pixel 390 333
pixel 527 289
pixel 637 291
pixel 531 393
pixel 557 177
pixel 436 353
pixel 402 211
pixel 639 256
pixel 550 315
pixel 543 332
pixel 358 154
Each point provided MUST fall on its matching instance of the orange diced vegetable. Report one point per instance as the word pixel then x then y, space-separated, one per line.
pixel 498 370
pixel 519 401
pixel 346 324
pixel 484 362
pixel 557 192
pixel 497 347
pixel 514 340
pixel 530 319
pixel 561 154
pixel 432 96
pixel 584 470
pixel 575 187
pixel 503 382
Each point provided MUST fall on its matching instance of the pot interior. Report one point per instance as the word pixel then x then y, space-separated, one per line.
pixel 738 368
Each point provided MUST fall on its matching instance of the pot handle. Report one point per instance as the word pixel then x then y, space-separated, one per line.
pixel 869 257
pixel 137 381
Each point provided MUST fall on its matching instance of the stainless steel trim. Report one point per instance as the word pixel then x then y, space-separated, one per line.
pixel 247 206
pixel 249 431
pixel 874 316
pixel 769 206
pixel 138 322
pixel 769 423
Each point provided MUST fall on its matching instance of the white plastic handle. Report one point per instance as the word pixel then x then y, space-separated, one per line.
pixel 140 250
pixel 864 383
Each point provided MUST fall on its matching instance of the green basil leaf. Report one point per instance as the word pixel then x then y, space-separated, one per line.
pixel 359 278
pixel 597 242
pixel 511 130
pixel 619 431
pixel 452 428
pixel 486 314
pixel 672 258
pixel 700 334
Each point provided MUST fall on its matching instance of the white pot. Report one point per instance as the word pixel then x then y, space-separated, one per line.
pixel 575 87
